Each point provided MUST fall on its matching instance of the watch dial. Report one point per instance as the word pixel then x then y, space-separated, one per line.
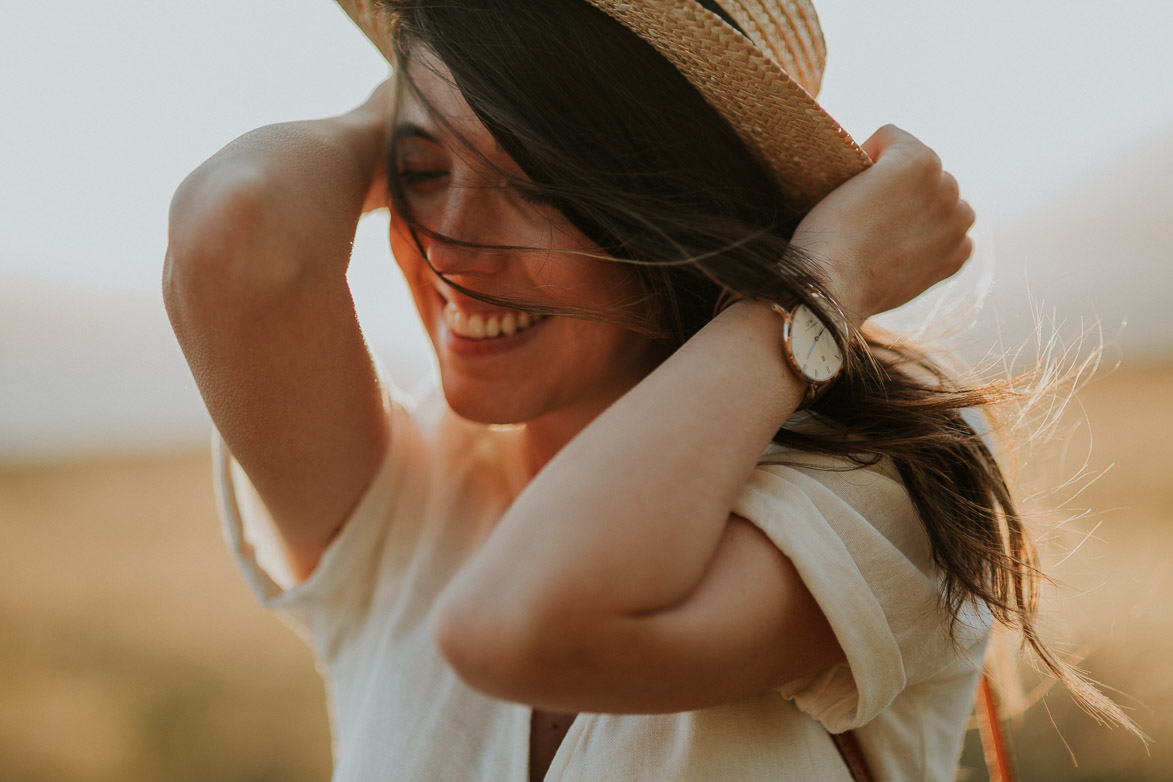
pixel 815 351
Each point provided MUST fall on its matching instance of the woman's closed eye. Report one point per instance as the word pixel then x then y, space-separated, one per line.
pixel 416 176
pixel 420 160
pixel 533 196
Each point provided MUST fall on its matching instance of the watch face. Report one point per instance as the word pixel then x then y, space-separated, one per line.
pixel 813 347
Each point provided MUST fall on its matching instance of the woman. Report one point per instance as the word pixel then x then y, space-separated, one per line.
pixel 668 568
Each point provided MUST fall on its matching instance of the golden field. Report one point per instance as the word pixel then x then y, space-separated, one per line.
pixel 131 650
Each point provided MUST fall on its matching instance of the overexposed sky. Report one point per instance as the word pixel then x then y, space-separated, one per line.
pixel 1052 113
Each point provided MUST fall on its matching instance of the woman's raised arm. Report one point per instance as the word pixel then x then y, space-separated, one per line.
pixel 255 286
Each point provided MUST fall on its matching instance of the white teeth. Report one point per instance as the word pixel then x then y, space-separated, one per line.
pixel 477 326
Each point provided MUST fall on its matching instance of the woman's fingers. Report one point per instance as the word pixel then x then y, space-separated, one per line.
pixel 950 190
pixel 884 138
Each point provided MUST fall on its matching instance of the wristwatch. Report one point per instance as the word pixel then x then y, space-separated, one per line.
pixel 811 347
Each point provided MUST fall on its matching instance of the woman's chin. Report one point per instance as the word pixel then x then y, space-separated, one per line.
pixel 487 408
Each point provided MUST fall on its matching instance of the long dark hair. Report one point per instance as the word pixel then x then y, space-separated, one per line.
pixel 610 133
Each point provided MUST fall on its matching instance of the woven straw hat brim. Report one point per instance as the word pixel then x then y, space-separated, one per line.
pixel 806 151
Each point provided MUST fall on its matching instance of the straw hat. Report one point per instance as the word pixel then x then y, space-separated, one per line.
pixel 757 62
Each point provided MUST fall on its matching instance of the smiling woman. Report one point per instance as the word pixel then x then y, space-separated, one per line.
pixel 700 548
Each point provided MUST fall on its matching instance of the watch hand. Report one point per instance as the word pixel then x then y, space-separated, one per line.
pixel 813 344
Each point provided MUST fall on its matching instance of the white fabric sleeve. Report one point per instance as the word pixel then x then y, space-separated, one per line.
pixel 872 576
pixel 320 606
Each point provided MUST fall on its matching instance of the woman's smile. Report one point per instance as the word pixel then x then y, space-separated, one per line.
pixel 490 326
pixel 473 329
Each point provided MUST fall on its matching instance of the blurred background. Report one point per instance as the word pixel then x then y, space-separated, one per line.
pixel 129 649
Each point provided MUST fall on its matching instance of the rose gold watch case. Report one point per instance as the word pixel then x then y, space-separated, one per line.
pixel 815 385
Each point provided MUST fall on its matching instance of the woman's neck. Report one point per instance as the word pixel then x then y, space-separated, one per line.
pixel 544 437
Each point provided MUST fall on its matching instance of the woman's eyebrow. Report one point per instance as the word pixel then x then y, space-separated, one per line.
pixel 411 130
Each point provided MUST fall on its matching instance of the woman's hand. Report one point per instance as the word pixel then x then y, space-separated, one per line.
pixel 891 232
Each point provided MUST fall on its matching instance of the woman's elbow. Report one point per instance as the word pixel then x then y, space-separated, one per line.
pixel 481 646
pixel 220 243
pixel 508 653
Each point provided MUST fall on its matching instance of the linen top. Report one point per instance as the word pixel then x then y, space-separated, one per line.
pixel 397 711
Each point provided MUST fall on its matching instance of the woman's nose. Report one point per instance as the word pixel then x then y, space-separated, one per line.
pixel 456 256
pixel 466 239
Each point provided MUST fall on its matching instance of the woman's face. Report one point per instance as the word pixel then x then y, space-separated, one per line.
pixel 499 365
